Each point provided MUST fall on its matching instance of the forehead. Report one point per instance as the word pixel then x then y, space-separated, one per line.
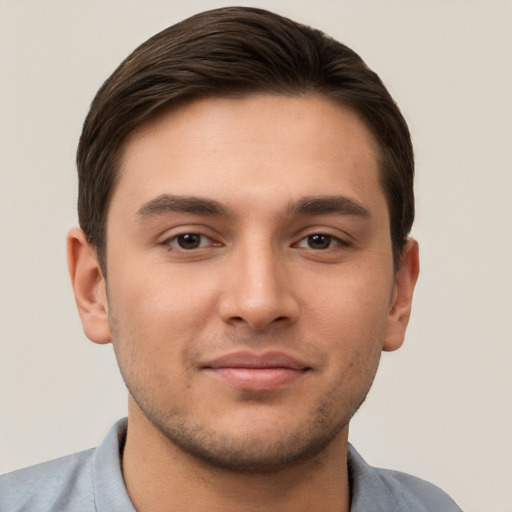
pixel 260 148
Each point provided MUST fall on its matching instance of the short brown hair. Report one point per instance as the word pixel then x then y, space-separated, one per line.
pixel 231 51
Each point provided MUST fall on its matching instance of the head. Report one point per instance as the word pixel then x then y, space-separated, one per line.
pixel 245 199
pixel 232 52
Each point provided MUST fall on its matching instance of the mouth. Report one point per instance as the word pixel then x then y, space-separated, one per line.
pixel 249 371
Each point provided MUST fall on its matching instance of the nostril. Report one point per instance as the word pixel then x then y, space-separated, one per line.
pixel 259 323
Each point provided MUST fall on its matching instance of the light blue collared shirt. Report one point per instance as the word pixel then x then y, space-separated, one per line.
pixel 92 481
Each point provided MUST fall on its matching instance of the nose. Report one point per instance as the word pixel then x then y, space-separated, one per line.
pixel 259 291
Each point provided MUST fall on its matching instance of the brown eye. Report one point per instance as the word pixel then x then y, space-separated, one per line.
pixel 319 241
pixel 192 245
pixel 188 241
pixel 322 242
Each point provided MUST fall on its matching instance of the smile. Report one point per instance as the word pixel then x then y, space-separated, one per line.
pixel 257 372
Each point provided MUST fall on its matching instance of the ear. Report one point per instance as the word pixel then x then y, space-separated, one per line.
pixel 405 281
pixel 89 287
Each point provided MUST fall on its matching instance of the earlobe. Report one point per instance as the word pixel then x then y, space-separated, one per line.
pixel 89 287
pixel 405 282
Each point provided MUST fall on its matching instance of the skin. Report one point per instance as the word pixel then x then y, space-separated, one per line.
pixel 263 273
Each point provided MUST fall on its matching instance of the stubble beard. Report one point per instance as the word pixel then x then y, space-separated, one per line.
pixel 288 447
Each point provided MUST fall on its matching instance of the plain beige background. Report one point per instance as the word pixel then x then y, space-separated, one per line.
pixel 441 407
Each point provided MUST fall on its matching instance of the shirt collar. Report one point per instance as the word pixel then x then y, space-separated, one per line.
pixel 109 489
pixel 368 492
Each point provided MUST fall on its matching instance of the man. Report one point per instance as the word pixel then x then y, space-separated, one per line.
pixel 245 200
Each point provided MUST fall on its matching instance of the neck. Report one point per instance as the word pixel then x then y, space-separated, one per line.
pixel 161 477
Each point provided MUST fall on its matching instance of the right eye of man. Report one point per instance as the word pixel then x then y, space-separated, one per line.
pixel 189 241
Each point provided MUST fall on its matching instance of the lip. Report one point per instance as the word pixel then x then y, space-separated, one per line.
pixel 250 371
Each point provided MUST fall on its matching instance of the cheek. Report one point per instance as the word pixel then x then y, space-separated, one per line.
pixel 351 322
pixel 158 322
pixel 156 299
pixel 355 334
pixel 353 304
pixel 154 323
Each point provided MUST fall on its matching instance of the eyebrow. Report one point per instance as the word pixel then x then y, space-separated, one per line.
pixel 167 203
pixel 318 205
pixel 309 205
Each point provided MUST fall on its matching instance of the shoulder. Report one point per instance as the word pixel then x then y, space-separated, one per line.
pixel 89 481
pixel 61 484
pixel 393 491
pixel 413 491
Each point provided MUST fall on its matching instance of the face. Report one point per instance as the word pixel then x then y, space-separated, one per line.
pixel 250 276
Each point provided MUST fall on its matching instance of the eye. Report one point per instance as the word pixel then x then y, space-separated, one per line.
pixel 321 241
pixel 189 241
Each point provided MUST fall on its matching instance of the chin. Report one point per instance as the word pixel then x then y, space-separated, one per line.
pixel 255 445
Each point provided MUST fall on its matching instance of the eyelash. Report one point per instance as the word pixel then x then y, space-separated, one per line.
pixel 174 241
pixel 326 237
